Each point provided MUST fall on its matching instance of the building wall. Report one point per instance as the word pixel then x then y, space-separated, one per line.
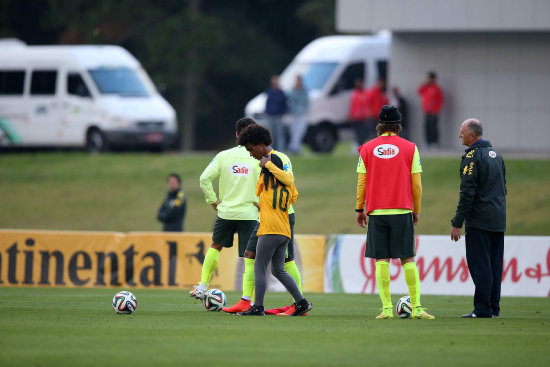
pixel 501 78
pixel 443 15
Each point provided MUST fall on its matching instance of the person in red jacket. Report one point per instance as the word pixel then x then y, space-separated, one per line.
pixel 358 111
pixel 376 99
pixel 432 101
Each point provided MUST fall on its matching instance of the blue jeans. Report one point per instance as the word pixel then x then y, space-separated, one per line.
pixel 277 128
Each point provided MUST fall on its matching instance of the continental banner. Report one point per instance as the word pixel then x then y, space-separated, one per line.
pixel 136 259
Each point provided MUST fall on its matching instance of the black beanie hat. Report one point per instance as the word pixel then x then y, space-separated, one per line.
pixel 389 115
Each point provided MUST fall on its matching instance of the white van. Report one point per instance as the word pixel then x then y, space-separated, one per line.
pixel 329 67
pixel 94 96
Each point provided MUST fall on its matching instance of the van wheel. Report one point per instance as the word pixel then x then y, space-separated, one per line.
pixel 95 141
pixel 322 138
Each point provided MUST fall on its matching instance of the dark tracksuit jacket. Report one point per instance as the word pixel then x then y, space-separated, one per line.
pixel 482 202
pixel 172 211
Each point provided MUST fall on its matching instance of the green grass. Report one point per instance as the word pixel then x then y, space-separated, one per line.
pixel 122 192
pixel 77 327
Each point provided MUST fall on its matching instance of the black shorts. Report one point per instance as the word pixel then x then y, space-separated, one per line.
pixel 390 236
pixel 253 241
pixel 225 229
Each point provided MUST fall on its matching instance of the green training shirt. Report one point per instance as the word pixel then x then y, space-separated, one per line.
pixel 238 174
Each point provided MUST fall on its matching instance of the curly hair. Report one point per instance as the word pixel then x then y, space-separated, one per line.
pixel 388 128
pixel 242 123
pixel 255 134
pixel 268 176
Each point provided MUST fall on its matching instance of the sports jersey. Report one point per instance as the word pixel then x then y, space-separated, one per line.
pixel 238 173
pixel 416 167
pixel 287 167
pixel 274 206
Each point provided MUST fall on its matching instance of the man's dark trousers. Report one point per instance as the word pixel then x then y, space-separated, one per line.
pixel 484 253
pixel 432 130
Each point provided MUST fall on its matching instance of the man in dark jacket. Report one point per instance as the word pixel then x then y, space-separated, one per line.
pixel 482 205
pixel 172 211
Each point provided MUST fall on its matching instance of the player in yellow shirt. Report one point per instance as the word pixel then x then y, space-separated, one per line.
pixel 274 229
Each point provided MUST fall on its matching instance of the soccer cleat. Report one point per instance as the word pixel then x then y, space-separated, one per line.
pixel 302 307
pixel 241 306
pixel 495 316
pixel 386 314
pixel 253 311
pixel 420 314
pixel 277 311
pixel 198 291
pixel 470 315
pixel 289 311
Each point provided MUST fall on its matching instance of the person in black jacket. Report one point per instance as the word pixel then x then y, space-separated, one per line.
pixel 482 205
pixel 172 211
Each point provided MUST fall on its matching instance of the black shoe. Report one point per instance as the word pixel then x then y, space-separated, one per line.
pixel 470 315
pixel 302 307
pixel 253 311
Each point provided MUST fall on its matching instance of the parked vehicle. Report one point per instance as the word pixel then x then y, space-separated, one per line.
pixel 93 96
pixel 329 66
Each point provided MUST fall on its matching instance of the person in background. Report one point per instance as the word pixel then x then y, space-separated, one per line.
pixel 376 99
pixel 482 205
pixel 358 111
pixel 400 102
pixel 298 103
pixel 275 108
pixel 172 211
pixel 432 101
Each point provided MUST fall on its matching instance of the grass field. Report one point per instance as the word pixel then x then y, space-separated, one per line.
pixel 78 327
pixel 122 192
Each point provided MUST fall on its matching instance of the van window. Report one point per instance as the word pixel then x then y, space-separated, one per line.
pixel 12 82
pixel 76 85
pixel 314 74
pixel 121 81
pixel 347 79
pixel 43 82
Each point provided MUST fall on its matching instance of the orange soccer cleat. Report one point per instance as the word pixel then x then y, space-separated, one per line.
pixel 290 311
pixel 241 306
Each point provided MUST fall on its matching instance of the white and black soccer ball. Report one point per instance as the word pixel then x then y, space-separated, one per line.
pixel 124 302
pixel 403 307
pixel 214 300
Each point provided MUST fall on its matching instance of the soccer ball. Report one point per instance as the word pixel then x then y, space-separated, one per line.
pixel 403 307
pixel 214 300
pixel 124 302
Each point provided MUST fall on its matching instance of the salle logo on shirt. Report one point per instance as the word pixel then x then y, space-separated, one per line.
pixel 239 169
pixel 386 151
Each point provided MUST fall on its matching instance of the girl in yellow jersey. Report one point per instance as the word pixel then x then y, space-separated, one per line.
pixel 273 236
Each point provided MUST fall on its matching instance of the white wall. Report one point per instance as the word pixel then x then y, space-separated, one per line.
pixel 443 15
pixel 501 78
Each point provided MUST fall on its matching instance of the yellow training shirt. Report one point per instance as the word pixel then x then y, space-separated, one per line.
pixel 274 206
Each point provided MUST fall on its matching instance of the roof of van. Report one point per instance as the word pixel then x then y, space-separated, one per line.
pixel 88 56
pixel 333 48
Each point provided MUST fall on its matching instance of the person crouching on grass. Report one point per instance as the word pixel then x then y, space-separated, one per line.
pixel 274 231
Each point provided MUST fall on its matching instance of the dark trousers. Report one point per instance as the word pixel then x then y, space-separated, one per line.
pixel 432 130
pixel 484 253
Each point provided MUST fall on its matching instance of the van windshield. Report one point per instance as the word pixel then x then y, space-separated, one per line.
pixel 122 81
pixel 314 74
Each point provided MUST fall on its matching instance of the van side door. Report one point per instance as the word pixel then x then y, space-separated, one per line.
pixel 78 108
pixel 44 107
